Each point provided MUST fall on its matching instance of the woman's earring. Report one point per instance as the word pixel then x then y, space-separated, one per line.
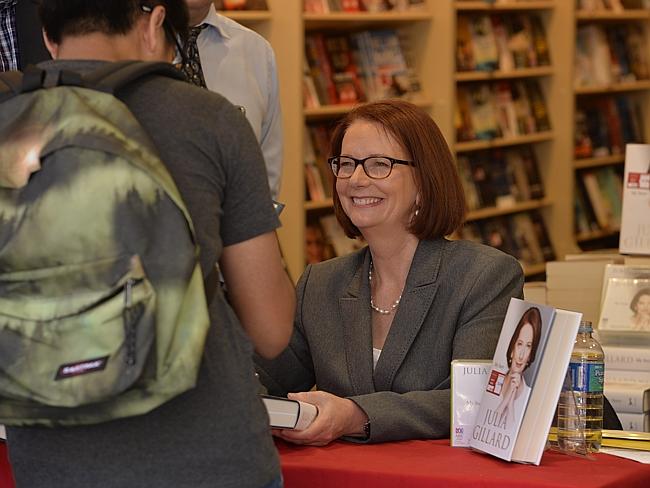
pixel 417 211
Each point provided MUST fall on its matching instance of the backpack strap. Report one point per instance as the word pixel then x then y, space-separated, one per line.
pixel 10 84
pixel 115 76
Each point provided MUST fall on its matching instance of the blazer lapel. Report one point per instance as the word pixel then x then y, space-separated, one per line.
pixel 419 292
pixel 357 329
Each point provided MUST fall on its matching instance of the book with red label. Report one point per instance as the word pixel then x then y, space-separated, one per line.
pixel 635 221
pixel 525 380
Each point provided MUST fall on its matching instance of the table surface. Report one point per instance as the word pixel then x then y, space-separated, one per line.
pixel 415 464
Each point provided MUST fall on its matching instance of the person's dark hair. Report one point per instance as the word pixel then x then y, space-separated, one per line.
pixel 442 201
pixel 62 18
pixel 533 317
pixel 637 297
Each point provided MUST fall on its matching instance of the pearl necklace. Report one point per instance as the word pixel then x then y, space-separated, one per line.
pixel 382 311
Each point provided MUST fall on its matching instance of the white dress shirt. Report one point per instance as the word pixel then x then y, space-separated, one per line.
pixel 239 64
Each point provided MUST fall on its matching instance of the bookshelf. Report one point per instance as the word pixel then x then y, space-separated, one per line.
pixel 432 33
pixel 591 229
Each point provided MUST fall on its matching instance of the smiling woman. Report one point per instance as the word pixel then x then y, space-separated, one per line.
pixel 375 331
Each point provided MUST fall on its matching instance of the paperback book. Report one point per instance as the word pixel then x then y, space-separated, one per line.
pixel 635 222
pixel 526 377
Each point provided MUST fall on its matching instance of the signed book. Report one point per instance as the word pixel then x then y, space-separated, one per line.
pixel 525 380
pixel 289 414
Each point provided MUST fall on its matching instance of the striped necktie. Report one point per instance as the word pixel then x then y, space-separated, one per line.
pixel 192 63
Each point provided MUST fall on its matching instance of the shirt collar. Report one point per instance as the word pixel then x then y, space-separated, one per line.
pixel 214 20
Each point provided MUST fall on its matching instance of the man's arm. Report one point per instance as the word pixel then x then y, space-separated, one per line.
pixel 260 292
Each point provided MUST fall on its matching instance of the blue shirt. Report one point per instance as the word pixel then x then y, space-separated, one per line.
pixel 240 64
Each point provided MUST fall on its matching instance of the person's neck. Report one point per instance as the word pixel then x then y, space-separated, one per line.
pixel 392 257
pixel 198 14
pixel 97 46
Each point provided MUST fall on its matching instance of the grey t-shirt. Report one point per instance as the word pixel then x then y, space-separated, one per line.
pixel 216 434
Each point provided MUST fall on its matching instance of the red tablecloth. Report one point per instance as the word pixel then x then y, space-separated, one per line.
pixel 415 464
pixel 6 479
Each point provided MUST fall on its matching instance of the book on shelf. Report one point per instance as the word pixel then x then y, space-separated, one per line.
pixel 638 422
pixel 241 5
pixel 468 380
pixel 628 397
pixel 336 237
pixel 526 377
pixel 635 222
pixel 504 109
pixel 489 42
pixel 285 413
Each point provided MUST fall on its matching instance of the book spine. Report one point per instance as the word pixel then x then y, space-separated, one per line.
pixel 627 358
pixel 626 376
pixel 628 398
pixel 638 422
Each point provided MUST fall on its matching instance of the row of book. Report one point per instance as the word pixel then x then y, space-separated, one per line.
pixel 346 68
pixel 598 199
pixel 522 235
pixel 500 42
pixel 318 175
pixel 500 177
pixel 327 6
pixel 605 124
pixel 486 111
pixel 608 54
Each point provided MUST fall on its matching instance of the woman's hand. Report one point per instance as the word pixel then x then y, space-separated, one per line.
pixel 336 417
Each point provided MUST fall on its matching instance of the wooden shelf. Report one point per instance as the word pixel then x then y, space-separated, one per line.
pixel 311 205
pixel 483 5
pixel 601 161
pixel 596 234
pixel 347 20
pixel 613 88
pixel 503 141
pixel 335 111
pixel 485 213
pixel 609 15
pixel 461 76
pixel 247 17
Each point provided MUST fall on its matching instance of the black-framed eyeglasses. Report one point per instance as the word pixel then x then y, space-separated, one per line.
pixel 376 167
pixel 169 31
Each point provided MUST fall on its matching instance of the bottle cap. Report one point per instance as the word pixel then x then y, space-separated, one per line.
pixel 585 326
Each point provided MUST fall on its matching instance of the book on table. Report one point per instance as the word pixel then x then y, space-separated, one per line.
pixel 285 413
pixel 526 377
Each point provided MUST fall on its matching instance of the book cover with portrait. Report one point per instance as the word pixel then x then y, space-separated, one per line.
pixel 528 370
pixel 626 306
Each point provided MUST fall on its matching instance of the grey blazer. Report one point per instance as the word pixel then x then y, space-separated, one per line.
pixel 452 307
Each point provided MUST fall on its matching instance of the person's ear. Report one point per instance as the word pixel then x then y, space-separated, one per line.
pixel 154 42
pixel 52 47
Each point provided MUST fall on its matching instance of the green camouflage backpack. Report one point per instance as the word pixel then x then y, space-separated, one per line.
pixel 103 312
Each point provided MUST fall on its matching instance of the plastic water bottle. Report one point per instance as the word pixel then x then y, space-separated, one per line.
pixel 580 409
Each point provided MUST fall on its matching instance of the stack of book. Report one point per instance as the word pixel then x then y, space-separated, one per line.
pixel 627 385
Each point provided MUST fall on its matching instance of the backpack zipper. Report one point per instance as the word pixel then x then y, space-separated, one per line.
pixel 129 323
